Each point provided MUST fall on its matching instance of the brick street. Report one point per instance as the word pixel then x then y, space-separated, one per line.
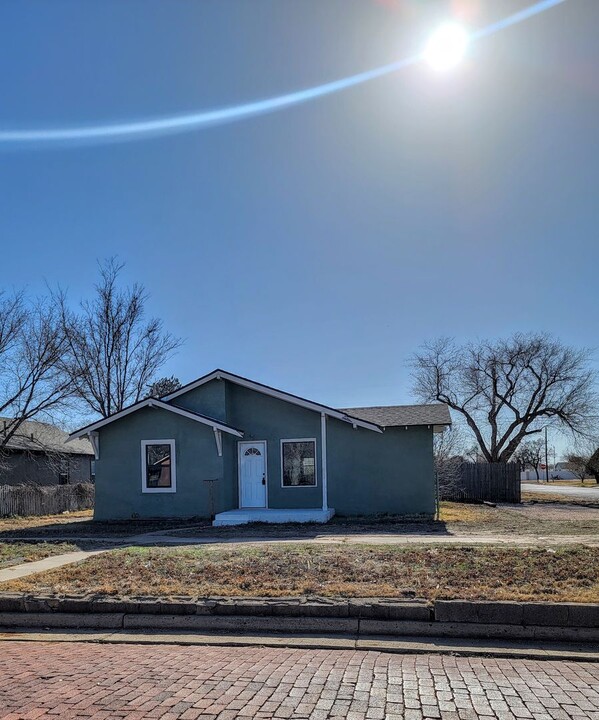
pixel 86 680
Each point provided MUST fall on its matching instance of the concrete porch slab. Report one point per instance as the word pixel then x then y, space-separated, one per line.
pixel 242 516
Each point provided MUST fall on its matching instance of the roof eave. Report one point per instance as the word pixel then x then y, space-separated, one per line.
pixel 273 392
pixel 153 402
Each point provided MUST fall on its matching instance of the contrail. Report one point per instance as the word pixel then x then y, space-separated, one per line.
pixel 140 129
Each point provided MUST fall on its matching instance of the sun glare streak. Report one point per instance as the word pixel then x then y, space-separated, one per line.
pixel 141 129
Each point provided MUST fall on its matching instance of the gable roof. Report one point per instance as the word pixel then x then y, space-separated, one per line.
pixel 404 415
pixel 34 436
pixel 273 392
pixel 154 402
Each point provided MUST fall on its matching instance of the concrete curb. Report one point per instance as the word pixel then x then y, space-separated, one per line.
pixel 380 643
pixel 563 622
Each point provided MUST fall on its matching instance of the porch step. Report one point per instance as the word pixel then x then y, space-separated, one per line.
pixel 272 515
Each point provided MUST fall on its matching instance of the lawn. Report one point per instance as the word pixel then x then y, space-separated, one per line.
pixel 455 518
pixel 563 574
pixel 81 524
pixel 17 553
pixel 541 517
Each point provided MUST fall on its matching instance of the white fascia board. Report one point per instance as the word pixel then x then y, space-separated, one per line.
pixel 278 394
pixel 153 402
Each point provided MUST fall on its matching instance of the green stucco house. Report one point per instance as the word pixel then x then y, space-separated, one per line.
pixel 239 451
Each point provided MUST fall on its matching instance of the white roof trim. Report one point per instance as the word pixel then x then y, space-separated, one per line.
pixel 279 394
pixel 153 402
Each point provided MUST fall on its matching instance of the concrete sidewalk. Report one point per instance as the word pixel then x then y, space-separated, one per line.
pixel 50 563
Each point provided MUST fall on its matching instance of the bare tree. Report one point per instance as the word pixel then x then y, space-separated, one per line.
pixel 449 450
pixel 530 453
pixel 507 390
pixel 32 377
pixel 163 386
pixel 578 464
pixel 113 350
pixel 593 465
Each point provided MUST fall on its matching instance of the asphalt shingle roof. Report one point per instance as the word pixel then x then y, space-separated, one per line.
pixel 44 437
pixel 395 415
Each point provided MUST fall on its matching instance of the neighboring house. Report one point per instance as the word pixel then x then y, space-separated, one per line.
pixel 561 471
pixel 41 454
pixel 227 446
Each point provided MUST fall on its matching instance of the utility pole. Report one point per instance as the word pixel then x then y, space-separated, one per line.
pixel 546 458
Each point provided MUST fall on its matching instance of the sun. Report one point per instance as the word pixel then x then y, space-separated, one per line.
pixel 446 47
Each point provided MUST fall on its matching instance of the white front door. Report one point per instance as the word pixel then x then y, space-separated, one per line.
pixel 252 474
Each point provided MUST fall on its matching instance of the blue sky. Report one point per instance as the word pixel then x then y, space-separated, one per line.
pixel 314 248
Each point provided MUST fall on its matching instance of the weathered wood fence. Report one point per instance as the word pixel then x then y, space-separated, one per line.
pixel 476 482
pixel 23 500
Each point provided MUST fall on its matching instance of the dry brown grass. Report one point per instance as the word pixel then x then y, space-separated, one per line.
pixel 40 521
pixel 16 553
pixel 565 574
pixel 82 524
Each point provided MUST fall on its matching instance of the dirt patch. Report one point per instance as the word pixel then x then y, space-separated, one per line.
pixel 563 574
pixel 17 553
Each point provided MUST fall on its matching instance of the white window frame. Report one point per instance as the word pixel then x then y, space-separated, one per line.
pixel 303 487
pixel 173 487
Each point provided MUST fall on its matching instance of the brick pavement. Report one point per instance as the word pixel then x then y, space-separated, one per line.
pixel 105 682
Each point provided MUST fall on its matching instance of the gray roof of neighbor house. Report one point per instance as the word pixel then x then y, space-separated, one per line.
pixel 43 437
pixel 396 415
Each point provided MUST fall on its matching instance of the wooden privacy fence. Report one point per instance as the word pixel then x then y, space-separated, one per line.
pixel 23 500
pixel 476 482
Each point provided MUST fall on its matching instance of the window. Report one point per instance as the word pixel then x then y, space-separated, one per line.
pixel 158 466
pixel 298 459
pixel 252 451
pixel 64 474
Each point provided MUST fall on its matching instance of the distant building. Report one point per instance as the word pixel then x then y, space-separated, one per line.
pixel 39 454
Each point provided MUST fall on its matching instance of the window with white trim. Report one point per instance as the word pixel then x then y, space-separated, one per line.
pixel 298 461
pixel 158 472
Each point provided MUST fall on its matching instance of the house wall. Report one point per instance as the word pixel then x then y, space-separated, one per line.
pixel 208 399
pixel 368 472
pixel 118 470
pixel 262 417
pixel 371 473
pixel 18 468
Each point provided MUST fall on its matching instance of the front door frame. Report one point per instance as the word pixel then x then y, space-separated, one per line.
pixel 239 491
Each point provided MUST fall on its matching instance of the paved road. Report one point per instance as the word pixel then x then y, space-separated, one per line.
pixel 103 682
pixel 590 493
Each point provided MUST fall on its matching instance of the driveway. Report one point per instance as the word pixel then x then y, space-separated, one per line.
pixel 589 493
pixel 83 680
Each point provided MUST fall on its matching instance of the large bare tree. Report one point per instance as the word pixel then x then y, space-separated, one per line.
pixel 33 381
pixel 507 390
pixel 449 450
pixel 114 351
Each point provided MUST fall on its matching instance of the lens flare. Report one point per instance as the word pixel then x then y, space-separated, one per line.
pixel 446 47
pixel 156 127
